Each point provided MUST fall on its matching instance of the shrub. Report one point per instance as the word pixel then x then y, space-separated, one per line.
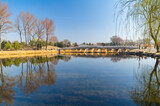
pixel 39 44
pixel 33 43
pixel 23 44
pixel 16 45
pixel 59 44
pixel 3 44
pixel 8 46
pixel 51 44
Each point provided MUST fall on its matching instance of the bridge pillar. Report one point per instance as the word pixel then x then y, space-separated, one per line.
pixel 97 50
pixel 91 50
pixel 86 50
pixel 103 50
pixel 119 50
pixel 62 51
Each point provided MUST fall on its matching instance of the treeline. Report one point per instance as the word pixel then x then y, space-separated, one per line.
pixel 27 26
pixel 34 44
pixel 8 45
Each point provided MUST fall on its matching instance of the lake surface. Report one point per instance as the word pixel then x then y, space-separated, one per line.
pixel 80 80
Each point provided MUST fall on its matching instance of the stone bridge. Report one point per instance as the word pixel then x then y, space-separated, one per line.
pixel 97 49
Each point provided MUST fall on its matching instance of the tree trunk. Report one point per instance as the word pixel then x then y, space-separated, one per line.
pixel 37 43
pixel 157 47
pixel 151 75
pixel 46 41
pixel 22 69
pixel 2 78
pixel 25 37
pixel 20 37
pixel 0 41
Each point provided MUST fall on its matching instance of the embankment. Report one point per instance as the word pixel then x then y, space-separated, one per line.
pixel 27 53
pixel 144 52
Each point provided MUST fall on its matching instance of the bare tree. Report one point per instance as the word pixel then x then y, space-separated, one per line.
pixel 49 29
pixel 18 27
pixel 24 23
pixel 116 40
pixel 5 22
pixel 30 27
pixel 39 29
pixel 66 42
pixel 28 22
pixel 53 39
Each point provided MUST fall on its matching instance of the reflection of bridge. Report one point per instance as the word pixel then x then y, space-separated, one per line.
pixel 96 49
pixel 97 55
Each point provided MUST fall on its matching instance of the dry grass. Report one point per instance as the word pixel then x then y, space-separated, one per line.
pixel 50 48
pixel 30 53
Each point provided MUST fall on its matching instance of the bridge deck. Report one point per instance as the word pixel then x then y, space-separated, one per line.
pixel 101 47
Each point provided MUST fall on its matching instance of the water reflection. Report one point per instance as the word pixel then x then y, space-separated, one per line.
pixel 147 90
pixel 115 59
pixel 83 80
pixel 35 72
pixel 6 87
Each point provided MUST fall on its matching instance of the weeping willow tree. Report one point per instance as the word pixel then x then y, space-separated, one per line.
pixel 144 14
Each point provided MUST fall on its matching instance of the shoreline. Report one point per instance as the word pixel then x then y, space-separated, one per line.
pixel 32 53
pixel 137 52
pixel 142 52
pixel 27 53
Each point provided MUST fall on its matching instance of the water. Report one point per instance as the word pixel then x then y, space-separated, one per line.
pixel 79 80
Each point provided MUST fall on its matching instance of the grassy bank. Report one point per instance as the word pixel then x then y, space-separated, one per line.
pixel 10 54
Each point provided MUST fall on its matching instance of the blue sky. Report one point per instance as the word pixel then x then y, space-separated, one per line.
pixel 75 20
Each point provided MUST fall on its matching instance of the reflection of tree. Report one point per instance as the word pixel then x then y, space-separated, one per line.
pixel 35 72
pixel 147 91
pixel 6 87
pixel 17 61
pixel 55 61
pixel 20 79
pixel 31 84
pixel 115 59
pixel 7 62
pixel 67 58
pixel 35 61
pixel 12 61
pixel 50 78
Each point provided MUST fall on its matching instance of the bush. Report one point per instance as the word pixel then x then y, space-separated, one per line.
pixel 16 45
pixel 23 44
pixel 43 43
pixel 3 44
pixel 59 44
pixel 8 46
pixel 33 43
pixel 51 44
pixel 75 44
pixel 39 44
pixel 69 44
